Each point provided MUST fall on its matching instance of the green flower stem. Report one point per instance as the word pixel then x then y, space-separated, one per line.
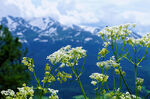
pixel 114 79
pixel 116 48
pixel 39 85
pixel 82 66
pixel 120 68
pixel 36 78
pixel 103 90
pixel 102 81
pixel 81 87
pixel 79 81
pixel 130 58
pixel 135 69
pixel 100 89
pixel 120 84
pixel 135 79
pixel 97 89
pixel 143 57
pixel 120 57
pixel 107 87
pixel 122 48
pixel 124 80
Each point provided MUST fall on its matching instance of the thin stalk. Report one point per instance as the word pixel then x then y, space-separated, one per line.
pixel 79 81
pixel 122 48
pixel 107 87
pixel 124 80
pixel 136 80
pixel 97 90
pixel 116 48
pixel 120 69
pixel 36 78
pixel 120 83
pixel 103 90
pixel 114 79
pixel 129 55
pixel 103 82
pixel 143 57
pixel 82 66
pixel 135 70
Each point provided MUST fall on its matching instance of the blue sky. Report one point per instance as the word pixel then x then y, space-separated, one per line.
pixel 81 11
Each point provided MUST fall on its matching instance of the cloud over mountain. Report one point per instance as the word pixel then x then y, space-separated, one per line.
pixel 80 11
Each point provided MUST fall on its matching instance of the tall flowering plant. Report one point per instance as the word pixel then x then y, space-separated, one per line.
pixel 64 57
pixel 112 36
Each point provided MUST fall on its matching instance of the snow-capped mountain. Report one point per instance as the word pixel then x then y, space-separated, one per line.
pixel 43 36
pixel 47 30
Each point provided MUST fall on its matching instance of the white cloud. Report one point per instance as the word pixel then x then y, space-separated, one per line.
pixel 139 17
pixel 8 9
pixel 81 11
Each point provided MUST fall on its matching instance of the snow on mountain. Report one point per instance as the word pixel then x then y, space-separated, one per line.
pixel 90 29
pixel 77 34
pixel 88 39
pixel 40 22
pixel 11 24
pixel 19 34
pixel 23 41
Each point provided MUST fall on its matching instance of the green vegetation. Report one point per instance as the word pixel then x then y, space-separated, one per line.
pixel 68 57
pixel 12 73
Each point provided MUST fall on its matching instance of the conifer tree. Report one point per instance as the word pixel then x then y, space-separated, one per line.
pixel 12 73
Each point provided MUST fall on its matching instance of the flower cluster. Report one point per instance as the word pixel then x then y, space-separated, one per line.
pixel 53 94
pixel 139 82
pixel 108 63
pixel 146 40
pixel 132 41
pixel 103 52
pixel 48 76
pixel 127 95
pixel 105 44
pixel 62 76
pixel 114 94
pixel 116 32
pixel 23 93
pixel 98 77
pixel 143 41
pixel 8 93
pixel 28 62
pixel 67 56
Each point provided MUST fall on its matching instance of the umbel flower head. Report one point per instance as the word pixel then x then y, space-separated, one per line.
pixel 98 77
pixel 67 56
pixel 25 92
pixel 29 63
pixel 139 81
pixel 116 32
pixel 8 92
pixel 143 41
pixel 53 94
pixel 127 95
pixel 108 63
